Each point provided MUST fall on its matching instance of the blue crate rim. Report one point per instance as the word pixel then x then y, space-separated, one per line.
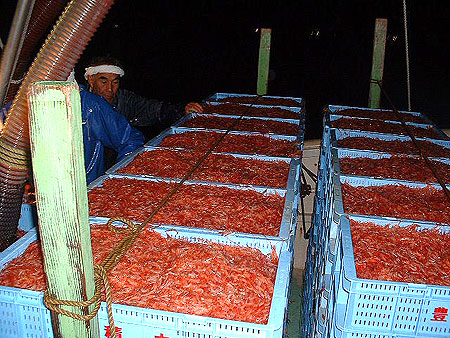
pixel 392 181
pixel 298 135
pixel 296 109
pixel 355 180
pixel 264 190
pixel 329 118
pixel 339 134
pixel 391 221
pixel 333 117
pixel 354 153
pixel 177 130
pixel 333 108
pixel 224 94
pixel 173 229
pixel 127 160
pixel 244 117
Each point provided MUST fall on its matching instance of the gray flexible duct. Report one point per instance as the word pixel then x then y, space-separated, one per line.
pixel 55 60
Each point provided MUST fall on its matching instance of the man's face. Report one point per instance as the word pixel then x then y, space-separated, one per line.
pixel 105 85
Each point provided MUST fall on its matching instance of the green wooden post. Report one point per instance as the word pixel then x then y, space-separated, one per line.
pixel 58 166
pixel 379 47
pixel 263 63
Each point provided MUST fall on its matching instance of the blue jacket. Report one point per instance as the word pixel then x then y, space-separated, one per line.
pixel 104 127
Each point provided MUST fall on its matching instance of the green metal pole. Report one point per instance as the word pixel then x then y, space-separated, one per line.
pixel 263 63
pixel 379 47
pixel 56 141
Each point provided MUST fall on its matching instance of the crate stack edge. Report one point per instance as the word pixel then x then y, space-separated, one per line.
pixel 336 302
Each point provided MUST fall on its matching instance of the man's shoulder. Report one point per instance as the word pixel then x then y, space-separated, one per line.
pixel 125 92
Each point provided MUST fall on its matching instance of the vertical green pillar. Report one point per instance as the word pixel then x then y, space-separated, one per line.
pixel 263 63
pixel 56 141
pixel 379 47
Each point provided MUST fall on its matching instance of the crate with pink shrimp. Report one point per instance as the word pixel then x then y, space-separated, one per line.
pixel 393 278
pixel 249 211
pixel 286 101
pixel 169 284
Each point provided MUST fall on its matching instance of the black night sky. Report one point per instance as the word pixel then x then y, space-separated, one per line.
pixel 321 51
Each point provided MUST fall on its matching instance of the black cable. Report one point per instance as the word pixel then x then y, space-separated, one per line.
pixel 310 173
pixel 416 143
pixel 304 191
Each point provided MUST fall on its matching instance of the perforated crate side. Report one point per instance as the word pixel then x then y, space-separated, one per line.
pixel 27 311
pixel 384 306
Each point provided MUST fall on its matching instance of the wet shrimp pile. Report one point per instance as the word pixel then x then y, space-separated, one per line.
pixel 224 168
pixel 401 254
pixel 199 206
pixel 207 279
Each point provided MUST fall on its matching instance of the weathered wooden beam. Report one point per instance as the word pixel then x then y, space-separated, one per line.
pixel 62 205
pixel 264 60
pixel 379 47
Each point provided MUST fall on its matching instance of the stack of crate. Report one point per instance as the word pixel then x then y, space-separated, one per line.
pixel 25 310
pixel 338 303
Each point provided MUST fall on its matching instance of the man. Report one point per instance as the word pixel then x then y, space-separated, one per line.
pixel 103 76
pixel 104 127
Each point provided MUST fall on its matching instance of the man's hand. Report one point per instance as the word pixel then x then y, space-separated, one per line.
pixel 193 107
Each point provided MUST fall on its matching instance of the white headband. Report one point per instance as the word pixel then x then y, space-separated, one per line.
pixel 103 69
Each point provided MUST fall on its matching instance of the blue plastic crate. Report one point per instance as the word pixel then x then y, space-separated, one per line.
pixel 385 307
pixel 327 292
pixel 158 139
pixel 24 314
pixel 339 134
pixel 356 181
pixel 299 112
pixel 28 216
pixel 294 169
pixel 353 153
pixel 315 221
pixel 335 110
pixel 325 313
pixel 348 153
pixel 329 218
pixel 290 212
pixel 193 116
pixel 439 134
pixel 224 96
pixel 307 317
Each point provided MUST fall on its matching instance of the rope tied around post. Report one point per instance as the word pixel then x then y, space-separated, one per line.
pixel 100 278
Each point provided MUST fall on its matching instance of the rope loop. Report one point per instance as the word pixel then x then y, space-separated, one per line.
pixel 131 227
pixel 54 304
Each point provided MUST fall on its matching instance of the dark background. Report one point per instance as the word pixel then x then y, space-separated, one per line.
pixel 181 51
